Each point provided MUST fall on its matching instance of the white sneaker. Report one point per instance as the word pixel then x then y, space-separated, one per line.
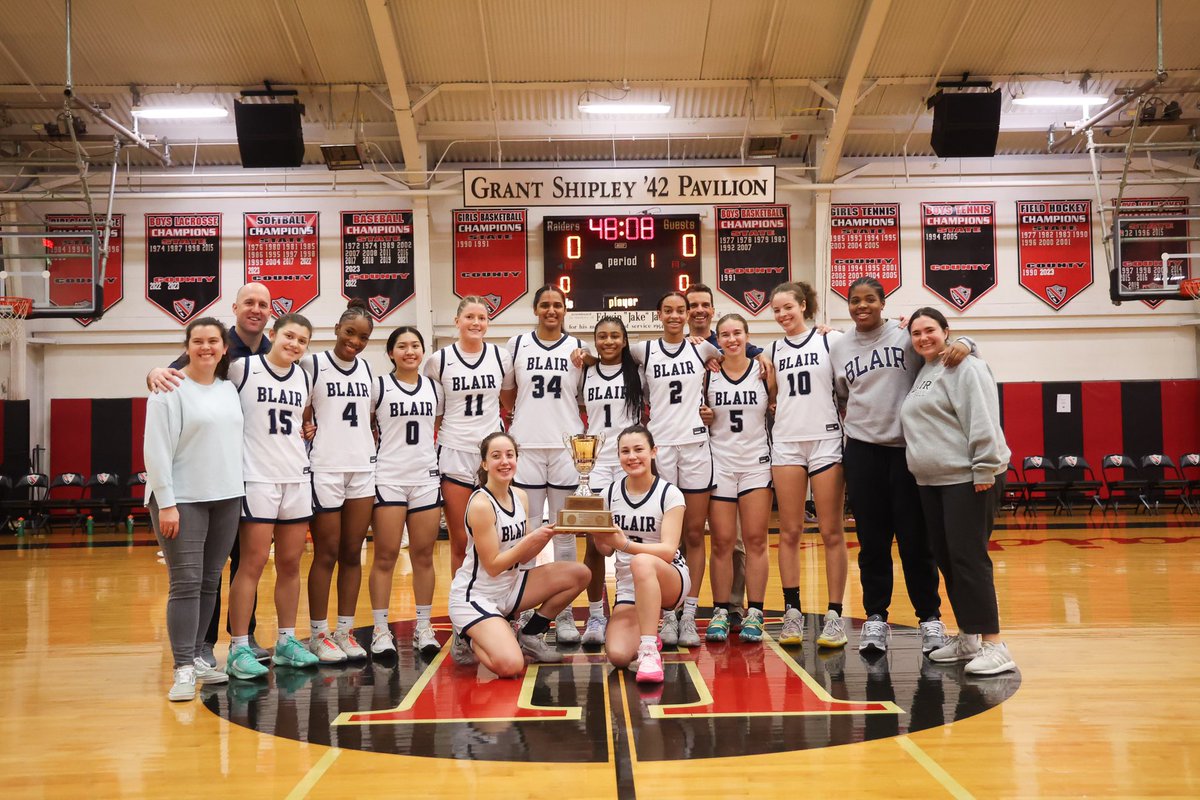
pixel 565 631
pixel 593 634
pixel 963 647
pixel 874 634
pixel 184 687
pixel 382 642
pixel 326 649
pixel 792 632
pixel 688 635
pixel 424 640
pixel 348 644
pixel 461 652
pixel 933 635
pixel 833 634
pixel 536 648
pixel 669 629
pixel 206 675
pixel 993 659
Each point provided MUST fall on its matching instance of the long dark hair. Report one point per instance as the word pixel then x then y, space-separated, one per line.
pixel 481 474
pixel 635 399
pixel 222 370
pixel 396 334
pixel 644 431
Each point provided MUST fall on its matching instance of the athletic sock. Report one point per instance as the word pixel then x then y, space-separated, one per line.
pixel 836 608
pixel 596 609
pixel 791 598
pixel 689 606
pixel 380 617
pixel 537 625
pixel 649 641
pixel 345 623
pixel 726 606
pixel 284 633
pixel 319 627
pixel 240 641
pixel 756 604
pixel 423 615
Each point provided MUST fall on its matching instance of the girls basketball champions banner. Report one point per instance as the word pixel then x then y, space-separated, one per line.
pixel 71 278
pixel 377 259
pixel 281 252
pixel 183 263
pixel 958 250
pixel 1054 248
pixel 491 256
pixel 864 240
pixel 753 256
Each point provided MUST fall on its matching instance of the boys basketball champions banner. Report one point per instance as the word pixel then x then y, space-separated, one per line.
pixel 281 253
pixel 491 256
pixel 958 250
pixel 1139 254
pixel 183 263
pixel 1054 248
pixel 864 240
pixel 753 256
pixel 71 278
pixel 377 259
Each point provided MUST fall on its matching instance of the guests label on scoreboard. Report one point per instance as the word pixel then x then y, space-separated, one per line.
pixel 864 240
pixel 183 263
pixel 281 252
pixel 1054 248
pixel 491 256
pixel 753 256
pixel 1140 247
pixel 958 248
pixel 71 278
pixel 647 186
pixel 377 259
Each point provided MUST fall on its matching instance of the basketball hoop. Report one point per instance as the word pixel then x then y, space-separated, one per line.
pixel 13 311
pixel 1190 288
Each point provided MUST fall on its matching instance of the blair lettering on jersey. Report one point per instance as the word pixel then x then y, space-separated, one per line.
pixel 613 392
pixel 889 357
pixel 547 363
pixel 510 533
pixel 799 360
pixel 347 389
pixel 462 384
pixel 669 370
pixel 424 409
pixel 633 522
pixel 284 397
pixel 747 397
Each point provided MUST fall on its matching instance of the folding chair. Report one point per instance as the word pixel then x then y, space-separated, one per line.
pixel 29 498
pixel 1125 487
pixel 1014 490
pixel 67 493
pixel 1164 481
pixel 1189 467
pixel 105 491
pixel 1042 484
pixel 1081 483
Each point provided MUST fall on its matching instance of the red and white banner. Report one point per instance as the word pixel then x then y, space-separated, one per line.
pixel 377 259
pixel 282 253
pixel 864 239
pixel 71 278
pixel 958 250
pixel 1054 248
pixel 491 256
pixel 753 255
pixel 1140 250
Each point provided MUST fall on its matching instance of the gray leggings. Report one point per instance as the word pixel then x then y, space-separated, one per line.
pixel 195 559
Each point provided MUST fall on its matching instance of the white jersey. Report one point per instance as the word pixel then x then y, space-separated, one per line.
pixel 470 385
pixel 641 520
pixel 674 378
pixel 406 416
pixel 602 395
pixel 273 410
pixel 472 579
pixel 739 428
pixel 805 406
pixel 342 400
pixel 547 384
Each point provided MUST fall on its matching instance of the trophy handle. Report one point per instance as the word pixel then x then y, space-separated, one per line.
pixel 566 440
pixel 599 443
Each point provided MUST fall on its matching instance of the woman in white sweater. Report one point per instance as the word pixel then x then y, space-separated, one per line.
pixel 193 453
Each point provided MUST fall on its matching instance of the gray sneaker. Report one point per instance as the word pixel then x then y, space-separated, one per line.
pixel 536 649
pixel 206 654
pixel 792 632
pixel 461 652
pixel 933 635
pixel 260 653
pixel 669 630
pixel 565 631
pixel 593 634
pixel 874 634
pixel 833 634
pixel 206 674
pixel 993 659
pixel 688 635
pixel 963 647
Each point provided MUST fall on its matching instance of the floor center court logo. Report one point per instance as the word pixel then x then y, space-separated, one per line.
pixel 718 700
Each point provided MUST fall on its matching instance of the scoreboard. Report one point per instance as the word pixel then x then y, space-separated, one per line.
pixel 620 263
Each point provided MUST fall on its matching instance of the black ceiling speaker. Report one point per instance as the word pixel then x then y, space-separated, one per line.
pixel 269 134
pixel 965 124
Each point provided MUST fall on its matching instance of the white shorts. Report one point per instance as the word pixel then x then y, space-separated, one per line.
pixel 280 503
pixel 458 466
pixel 815 456
pixel 542 468
pixel 604 476
pixel 732 485
pixel 464 615
pixel 688 466
pixel 625 586
pixel 416 498
pixel 330 490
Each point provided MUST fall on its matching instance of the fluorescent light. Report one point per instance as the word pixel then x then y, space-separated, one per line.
pixel 194 112
pixel 1053 100
pixel 593 107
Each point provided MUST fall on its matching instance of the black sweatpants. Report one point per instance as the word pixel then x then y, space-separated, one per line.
pixel 886 504
pixel 959 521
pixel 214 625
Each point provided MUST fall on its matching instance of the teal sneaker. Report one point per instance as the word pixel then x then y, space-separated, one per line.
pixel 718 626
pixel 242 664
pixel 752 626
pixel 290 653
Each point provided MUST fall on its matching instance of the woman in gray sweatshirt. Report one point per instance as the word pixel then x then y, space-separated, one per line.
pixel 957 453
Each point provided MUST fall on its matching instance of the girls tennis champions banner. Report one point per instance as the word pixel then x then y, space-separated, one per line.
pixel 864 240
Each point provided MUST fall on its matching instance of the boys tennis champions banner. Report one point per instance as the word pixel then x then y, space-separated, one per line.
pixel 958 250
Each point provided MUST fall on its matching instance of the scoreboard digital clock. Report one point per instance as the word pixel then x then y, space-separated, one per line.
pixel 620 263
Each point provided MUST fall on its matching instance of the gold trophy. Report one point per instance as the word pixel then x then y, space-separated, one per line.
pixel 583 511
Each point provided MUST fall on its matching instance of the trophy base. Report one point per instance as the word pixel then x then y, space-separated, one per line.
pixel 584 515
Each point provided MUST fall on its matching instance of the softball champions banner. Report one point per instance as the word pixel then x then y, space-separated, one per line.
pixel 183 263
pixel 864 239
pixel 1139 253
pixel 281 252
pixel 753 256
pixel 958 250
pixel 377 259
pixel 1054 248
pixel 71 278
pixel 491 256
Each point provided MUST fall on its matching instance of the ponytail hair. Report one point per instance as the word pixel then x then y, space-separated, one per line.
pixel 642 430
pixel 481 474
pixel 356 309
pixel 292 318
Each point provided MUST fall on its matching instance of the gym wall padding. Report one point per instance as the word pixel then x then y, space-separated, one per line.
pixel 14 430
pixel 90 436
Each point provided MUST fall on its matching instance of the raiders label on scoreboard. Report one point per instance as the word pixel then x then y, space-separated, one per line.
pixel 958 250
pixel 377 259
pixel 1142 244
pixel 183 263
pixel 281 252
pixel 1054 248
pixel 864 241
pixel 491 255
pixel 753 256
pixel 71 278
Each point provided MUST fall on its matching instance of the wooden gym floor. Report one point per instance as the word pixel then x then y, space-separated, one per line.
pixel 1101 614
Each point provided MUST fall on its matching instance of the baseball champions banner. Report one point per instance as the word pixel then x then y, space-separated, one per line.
pixel 491 256
pixel 958 250
pixel 753 256
pixel 71 278
pixel 1054 248
pixel 377 259
pixel 864 240
pixel 183 263
pixel 1139 253
pixel 281 253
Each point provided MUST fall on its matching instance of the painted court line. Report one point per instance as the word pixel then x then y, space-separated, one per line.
pixel 315 774
pixel 933 768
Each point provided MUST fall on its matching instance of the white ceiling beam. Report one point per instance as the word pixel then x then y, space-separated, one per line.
pixel 388 48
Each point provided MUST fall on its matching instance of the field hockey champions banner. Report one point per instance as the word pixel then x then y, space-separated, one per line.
pixel 71 278
pixel 281 253
pixel 377 259
pixel 1139 258
pixel 958 250
pixel 491 256
pixel 753 255
pixel 183 263
pixel 1054 248
pixel 864 239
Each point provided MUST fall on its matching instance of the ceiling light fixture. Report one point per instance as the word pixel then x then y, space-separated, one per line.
pixel 1053 100
pixel 195 112
pixel 623 109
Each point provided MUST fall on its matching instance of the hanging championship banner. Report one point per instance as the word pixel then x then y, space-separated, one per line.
pixel 377 259
pixel 281 253
pixel 491 256
pixel 183 263
pixel 71 278
pixel 864 240
pixel 1054 248
pixel 753 256
pixel 1139 251
pixel 958 250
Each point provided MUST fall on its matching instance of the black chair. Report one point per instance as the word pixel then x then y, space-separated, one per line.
pixel 6 498
pixel 1189 467
pixel 1042 485
pixel 1129 486
pixel 1081 483
pixel 1014 490
pixel 67 498
pixel 133 503
pixel 29 498
pixel 1164 482
pixel 105 491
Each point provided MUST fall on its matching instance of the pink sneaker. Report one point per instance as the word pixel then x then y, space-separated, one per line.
pixel 650 666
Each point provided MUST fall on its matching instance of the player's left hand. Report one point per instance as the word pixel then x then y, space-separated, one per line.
pixel 307 431
pixel 707 415
pixel 983 487
pixel 953 355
